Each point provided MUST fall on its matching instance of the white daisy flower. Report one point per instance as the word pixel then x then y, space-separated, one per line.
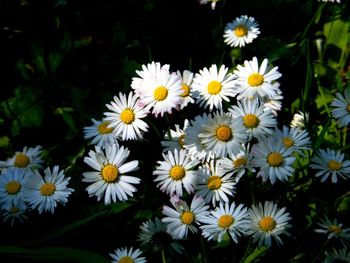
pixel 45 192
pixel 29 158
pixel 213 3
pixel 257 120
pixel 124 255
pixel 274 103
pixel 212 86
pixel 174 139
pixel 110 177
pixel 273 159
pixel 341 108
pixel 223 134
pixel 254 81
pixel 187 90
pixel 293 138
pixel 237 164
pixel 14 214
pixel 99 133
pixel 332 1
pixel 333 229
pixel 267 222
pixel 337 255
pixel 153 235
pixel 330 163
pixel 193 143
pixel 12 182
pixel 184 218
pixel 225 219
pixel 241 31
pixel 213 185
pixel 125 117
pixel 161 91
pixel 175 172
pixel 299 119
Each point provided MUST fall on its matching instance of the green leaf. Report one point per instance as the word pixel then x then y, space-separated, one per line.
pixel 258 252
pixel 68 118
pixel 62 254
pixel 4 141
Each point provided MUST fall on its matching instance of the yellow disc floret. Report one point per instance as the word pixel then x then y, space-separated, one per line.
pixel 288 142
pixel 334 165
pixel 127 116
pixel 214 87
pixel 21 160
pixel 267 224
pixel 241 31
pixel 160 93
pixel 224 133
pixel 47 189
pixel 186 90
pixel 275 159
pixel 250 121
pixel 334 229
pixel 255 80
pixel 103 128
pixel 240 162
pixel 187 217
pixel 214 182
pixel 126 259
pixel 177 172
pixel 225 221
pixel 13 187
pixel 109 173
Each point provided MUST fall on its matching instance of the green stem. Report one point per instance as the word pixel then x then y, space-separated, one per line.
pixel 163 256
pixel 320 251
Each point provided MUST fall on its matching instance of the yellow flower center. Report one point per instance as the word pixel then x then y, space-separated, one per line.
pixel 21 160
pixel 103 128
pixel 214 182
pixel 109 173
pixel 251 121
pixel 127 116
pixel 181 140
pixel 126 259
pixel 225 221
pixel 348 108
pixel 334 165
pixel 214 87
pixel 224 133
pixel 334 229
pixel 288 142
pixel 13 187
pixel 160 93
pixel 187 217
pixel 241 31
pixel 275 159
pixel 240 162
pixel 177 172
pixel 255 79
pixel 47 189
pixel 267 224
pixel 14 210
pixel 186 90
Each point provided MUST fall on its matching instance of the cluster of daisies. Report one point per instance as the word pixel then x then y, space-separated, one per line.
pixel 25 185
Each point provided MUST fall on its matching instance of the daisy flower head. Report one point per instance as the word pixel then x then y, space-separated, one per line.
pixel 273 159
pixel 237 164
pixel 99 133
pixel 183 218
pixel 153 235
pixel 267 222
pixel 228 219
pixel 213 185
pixel 333 229
pixel 332 1
pixel 174 139
pixel 341 108
pixel 45 192
pixel 241 31
pixel 274 103
pixel 176 171
pixel 256 81
pixel 330 163
pixel 12 182
pixel 223 134
pixel 161 92
pixel 193 143
pixel 125 117
pixel 187 90
pixel 257 120
pixel 122 255
pixel 29 158
pixel 294 138
pixel 337 255
pixel 14 214
pixel 109 178
pixel 213 3
pixel 212 86
pixel 299 119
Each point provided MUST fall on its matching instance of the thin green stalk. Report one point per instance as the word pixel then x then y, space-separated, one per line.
pixel 320 251
pixel 163 256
